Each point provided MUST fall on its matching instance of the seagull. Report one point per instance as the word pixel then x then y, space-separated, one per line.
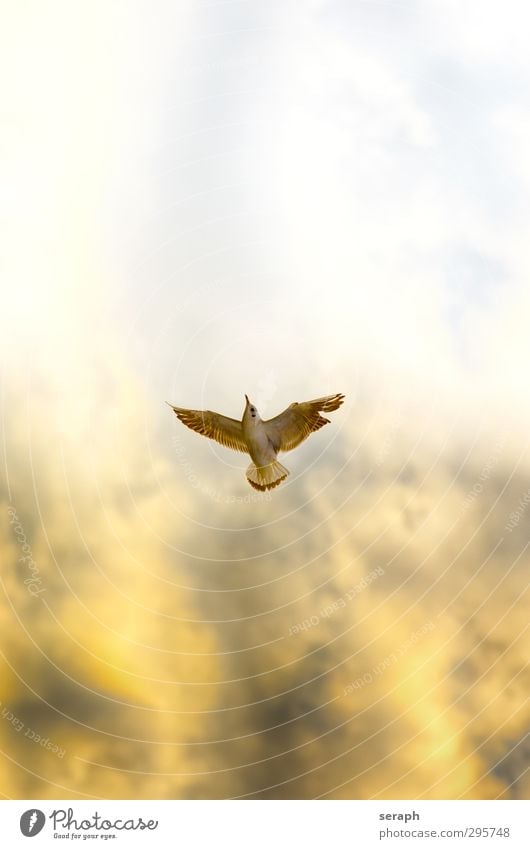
pixel 262 439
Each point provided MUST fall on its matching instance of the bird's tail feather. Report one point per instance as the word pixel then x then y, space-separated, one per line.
pixel 266 477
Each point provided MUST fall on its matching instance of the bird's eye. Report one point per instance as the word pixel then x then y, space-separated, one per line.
pixel 252 410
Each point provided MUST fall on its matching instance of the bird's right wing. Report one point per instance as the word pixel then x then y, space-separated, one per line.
pixel 291 427
pixel 215 426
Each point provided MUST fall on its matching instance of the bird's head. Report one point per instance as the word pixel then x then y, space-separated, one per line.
pixel 251 412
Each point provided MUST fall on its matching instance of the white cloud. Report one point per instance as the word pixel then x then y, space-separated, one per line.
pixel 481 31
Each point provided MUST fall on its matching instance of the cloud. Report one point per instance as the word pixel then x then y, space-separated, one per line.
pixel 281 216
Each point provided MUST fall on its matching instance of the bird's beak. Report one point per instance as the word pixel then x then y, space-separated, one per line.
pixel 246 399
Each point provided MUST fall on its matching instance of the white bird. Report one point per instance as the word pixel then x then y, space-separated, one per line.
pixel 262 439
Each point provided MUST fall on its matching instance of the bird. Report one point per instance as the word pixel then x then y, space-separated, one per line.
pixel 263 440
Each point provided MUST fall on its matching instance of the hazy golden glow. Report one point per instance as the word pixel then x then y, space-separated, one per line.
pixel 168 633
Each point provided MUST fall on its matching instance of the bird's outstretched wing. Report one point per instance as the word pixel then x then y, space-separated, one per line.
pixel 291 427
pixel 215 426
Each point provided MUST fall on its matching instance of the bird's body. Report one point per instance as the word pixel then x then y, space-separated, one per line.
pixel 262 439
pixel 255 435
pixel 265 472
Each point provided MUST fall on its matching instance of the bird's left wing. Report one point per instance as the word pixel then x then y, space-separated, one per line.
pixel 291 427
pixel 213 425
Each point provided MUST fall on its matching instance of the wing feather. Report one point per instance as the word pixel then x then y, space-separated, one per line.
pixel 222 429
pixel 287 430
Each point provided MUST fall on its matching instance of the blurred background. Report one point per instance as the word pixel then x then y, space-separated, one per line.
pixel 202 200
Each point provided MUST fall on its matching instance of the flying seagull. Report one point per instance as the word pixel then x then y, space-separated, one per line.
pixel 262 439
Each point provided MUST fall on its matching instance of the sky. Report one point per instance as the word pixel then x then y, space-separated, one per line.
pixel 285 200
